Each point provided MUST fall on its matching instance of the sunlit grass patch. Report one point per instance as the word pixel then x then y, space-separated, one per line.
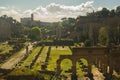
pixel 54 55
pixel 31 56
pixel 4 49
pixel 41 59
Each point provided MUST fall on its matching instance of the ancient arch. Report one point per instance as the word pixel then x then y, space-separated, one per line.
pixel 106 59
pixel 92 55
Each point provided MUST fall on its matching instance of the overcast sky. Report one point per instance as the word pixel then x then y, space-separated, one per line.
pixel 53 10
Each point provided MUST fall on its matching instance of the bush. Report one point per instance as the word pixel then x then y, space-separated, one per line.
pixel 88 43
pixel 57 43
pixel 24 74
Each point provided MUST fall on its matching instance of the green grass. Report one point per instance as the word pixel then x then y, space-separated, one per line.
pixel 5 49
pixel 22 71
pixel 54 56
pixel 80 73
pixel 31 56
pixel 66 65
pixel 28 72
pixel 41 58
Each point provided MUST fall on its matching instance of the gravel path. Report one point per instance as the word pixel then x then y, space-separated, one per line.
pixel 15 59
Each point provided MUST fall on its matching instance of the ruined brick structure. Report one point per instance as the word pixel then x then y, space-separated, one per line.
pixel 106 59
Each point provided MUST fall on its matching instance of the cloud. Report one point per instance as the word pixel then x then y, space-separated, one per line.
pixel 50 13
pixel 2 8
pixel 99 8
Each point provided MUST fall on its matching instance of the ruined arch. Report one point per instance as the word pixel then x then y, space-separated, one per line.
pixel 90 54
pixel 103 58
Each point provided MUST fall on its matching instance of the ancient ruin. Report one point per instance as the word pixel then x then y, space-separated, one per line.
pixel 106 59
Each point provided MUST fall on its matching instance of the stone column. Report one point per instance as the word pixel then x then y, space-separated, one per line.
pixel 111 68
pixel 89 68
pixel 117 69
pixel 58 66
pixel 104 68
pixel 90 74
pixel 73 69
pixel 98 63
pixel 73 76
pixel 103 62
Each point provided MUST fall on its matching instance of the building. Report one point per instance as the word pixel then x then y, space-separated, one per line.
pixel 29 21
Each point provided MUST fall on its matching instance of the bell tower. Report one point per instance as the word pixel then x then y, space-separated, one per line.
pixel 32 17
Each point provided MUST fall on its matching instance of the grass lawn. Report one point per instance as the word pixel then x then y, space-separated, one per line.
pixel 5 49
pixel 31 56
pixel 54 56
pixel 41 58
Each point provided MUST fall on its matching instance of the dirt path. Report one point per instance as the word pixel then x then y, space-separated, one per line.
pixel 15 59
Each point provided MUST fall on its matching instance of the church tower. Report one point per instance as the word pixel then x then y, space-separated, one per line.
pixel 32 17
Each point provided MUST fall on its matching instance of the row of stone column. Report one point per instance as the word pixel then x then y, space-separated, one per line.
pixel 74 75
pixel 104 65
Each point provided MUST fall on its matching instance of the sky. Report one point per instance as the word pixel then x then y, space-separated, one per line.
pixel 53 10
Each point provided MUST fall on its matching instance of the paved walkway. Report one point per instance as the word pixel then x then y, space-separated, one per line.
pixel 15 59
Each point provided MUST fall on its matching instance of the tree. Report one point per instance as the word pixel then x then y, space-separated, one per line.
pixel 103 36
pixel 35 33
pixel 105 12
pixel 59 31
pixel 10 28
pixel 114 34
pixel 118 10
pixel 112 13
pixel 88 43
